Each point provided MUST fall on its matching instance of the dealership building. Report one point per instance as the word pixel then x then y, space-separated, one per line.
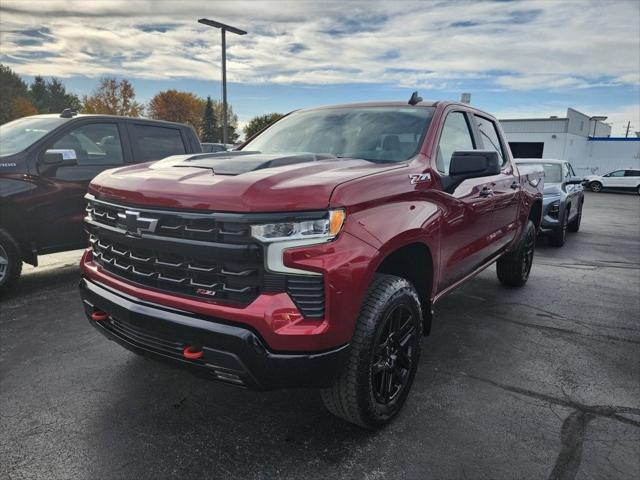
pixel 584 141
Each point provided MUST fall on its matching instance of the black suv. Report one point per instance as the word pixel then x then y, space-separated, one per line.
pixel 46 163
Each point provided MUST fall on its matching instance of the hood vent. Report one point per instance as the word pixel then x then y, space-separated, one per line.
pixel 237 163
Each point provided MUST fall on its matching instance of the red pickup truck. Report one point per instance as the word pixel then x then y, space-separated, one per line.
pixel 313 255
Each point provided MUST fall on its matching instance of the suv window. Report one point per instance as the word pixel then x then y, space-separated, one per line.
pixel 617 173
pixel 490 137
pixel 94 144
pixel 455 136
pixel 155 143
pixel 632 173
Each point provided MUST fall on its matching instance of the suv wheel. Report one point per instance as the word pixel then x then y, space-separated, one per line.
pixel 595 187
pixel 559 234
pixel 574 225
pixel 513 269
pixel 10 262
pixel 384 355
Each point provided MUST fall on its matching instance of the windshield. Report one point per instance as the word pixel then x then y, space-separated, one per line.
pixel 17 135
pixel 379 134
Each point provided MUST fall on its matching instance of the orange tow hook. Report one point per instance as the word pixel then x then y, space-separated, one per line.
pixel 99 316
pixel 192 352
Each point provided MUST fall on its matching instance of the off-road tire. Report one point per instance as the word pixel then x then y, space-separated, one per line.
pixel 10 251
pixel 595 187
pixel 514 268
pixel 574 225
pixel 558 235
pixel 354 396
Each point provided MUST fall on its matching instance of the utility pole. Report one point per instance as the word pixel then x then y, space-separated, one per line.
pixel 628 126
pixel 223 30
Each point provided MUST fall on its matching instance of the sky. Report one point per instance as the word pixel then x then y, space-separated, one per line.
pixel 518 59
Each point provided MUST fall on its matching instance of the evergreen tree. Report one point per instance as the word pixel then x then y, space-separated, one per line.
pixel 208 123
pixel 11 88
pixel 38 92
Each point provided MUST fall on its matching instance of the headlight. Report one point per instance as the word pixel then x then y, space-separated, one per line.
pixel 324 228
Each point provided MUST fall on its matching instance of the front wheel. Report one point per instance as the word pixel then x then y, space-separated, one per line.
pixel 595 187
pixel 514 268
pixel 10 262
pixel 559 234
pixel 384 355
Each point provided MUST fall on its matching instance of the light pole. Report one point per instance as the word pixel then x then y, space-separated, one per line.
pixel 223 29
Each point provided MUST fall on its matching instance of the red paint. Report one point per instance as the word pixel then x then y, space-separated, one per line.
pixel 462 231
pixel 99 316
pixel 192 353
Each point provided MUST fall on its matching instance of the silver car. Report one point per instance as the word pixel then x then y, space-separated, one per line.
pixel 563 198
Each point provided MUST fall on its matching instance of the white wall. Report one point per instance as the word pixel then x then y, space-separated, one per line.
pixel 587 157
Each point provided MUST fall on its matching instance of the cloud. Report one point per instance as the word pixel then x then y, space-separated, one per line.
pixel 526 45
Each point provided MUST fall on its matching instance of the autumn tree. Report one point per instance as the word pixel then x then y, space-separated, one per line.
pixel 208 133
pixel 22 107
pixel 176 106
pixel 12 88
pixel 113 97
pixel 260 122
pixel 232 123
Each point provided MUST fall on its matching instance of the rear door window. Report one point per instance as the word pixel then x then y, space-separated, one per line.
pixel 156 143
pixel 632 173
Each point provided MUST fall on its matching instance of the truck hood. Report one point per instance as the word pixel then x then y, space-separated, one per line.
pixel 234 181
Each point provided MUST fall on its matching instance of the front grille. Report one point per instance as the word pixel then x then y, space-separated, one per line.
pixel 192 274
pixel 184 225
pixel 203 255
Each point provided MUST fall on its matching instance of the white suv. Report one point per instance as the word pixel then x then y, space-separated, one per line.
pixel 628 180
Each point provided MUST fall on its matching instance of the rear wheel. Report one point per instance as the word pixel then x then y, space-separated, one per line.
pixel 514 268
pixel 595 187
pixel 559 234
pixel 574 225
pixel 10 262
pixel 384 355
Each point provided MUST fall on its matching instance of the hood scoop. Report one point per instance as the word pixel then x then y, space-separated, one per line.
pixel 239 162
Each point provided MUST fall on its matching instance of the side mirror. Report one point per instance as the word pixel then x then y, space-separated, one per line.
pixel 574 181
pixel 471 164
pixel 60 157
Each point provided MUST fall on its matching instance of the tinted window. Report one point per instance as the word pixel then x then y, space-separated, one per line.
pixel 378 134
pixel 155 143
pixel 16 136
pixel 490 137
pixel 632 173
pixel 455 137
pixel 94 144
pixel 617 173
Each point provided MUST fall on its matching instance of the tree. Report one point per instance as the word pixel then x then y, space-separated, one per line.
pixel 22 107
pixel 208 123
pixel 175 106
pixel 232 122
pixel 11 88
pixel 51 96
pixel 260 122
pixel 113 98
pixel 38 93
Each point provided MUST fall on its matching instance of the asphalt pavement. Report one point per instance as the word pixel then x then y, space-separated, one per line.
pixel 533 383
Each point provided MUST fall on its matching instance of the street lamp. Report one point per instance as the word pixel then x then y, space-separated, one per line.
pixel 223 29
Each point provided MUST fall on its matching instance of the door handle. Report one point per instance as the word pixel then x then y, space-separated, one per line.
pixel 514 185
pixel 486 192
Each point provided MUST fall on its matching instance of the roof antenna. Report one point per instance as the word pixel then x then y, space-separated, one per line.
pixel 415 98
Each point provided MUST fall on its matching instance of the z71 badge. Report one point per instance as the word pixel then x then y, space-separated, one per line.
pixel 419 178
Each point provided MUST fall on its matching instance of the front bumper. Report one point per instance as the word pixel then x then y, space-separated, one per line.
pixel 232 354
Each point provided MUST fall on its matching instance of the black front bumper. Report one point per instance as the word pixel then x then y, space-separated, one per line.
pixel 232 354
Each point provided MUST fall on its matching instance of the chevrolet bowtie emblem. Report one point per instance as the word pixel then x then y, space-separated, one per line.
pixel 136 224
